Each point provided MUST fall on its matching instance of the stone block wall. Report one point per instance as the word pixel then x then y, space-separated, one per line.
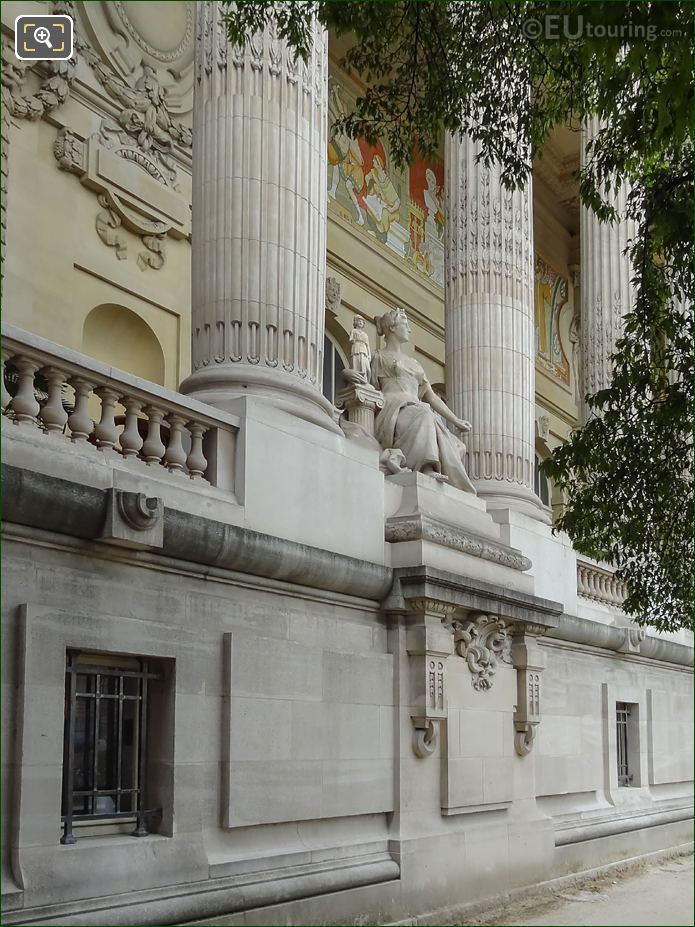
pixel 283 760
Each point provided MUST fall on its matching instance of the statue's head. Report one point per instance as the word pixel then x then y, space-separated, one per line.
pixel 358 322
pixel 394 322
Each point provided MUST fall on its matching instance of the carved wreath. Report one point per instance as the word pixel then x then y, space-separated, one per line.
pixel 482 642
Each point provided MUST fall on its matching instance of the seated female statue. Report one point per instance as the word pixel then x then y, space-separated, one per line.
pixel 409 419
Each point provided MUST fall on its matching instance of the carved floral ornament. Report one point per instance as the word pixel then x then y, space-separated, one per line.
pixel 141 131
pixel 482 641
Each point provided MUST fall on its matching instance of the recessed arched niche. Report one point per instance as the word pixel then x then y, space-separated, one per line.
pixel 119 337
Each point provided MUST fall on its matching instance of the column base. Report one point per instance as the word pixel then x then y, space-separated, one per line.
pixel 500 494
pixel 221 385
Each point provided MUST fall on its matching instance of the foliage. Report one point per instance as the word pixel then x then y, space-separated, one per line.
pixel 507 73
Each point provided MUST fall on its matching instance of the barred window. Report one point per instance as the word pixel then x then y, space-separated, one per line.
pixel 622 716
pixel 105 741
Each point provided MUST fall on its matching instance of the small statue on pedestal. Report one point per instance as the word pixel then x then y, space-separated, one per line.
pixel 360 353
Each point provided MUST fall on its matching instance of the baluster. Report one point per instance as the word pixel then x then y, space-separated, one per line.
pixel 196 462
pixel 587 582
pixel 153 448
pixel 600 587
pixel 6 398
pixel 53 415
pixel 593 585
pixel 586 574
pixel 130 439
pixel 24 405
pixel 581 581
pixel 175 457
pixel 106 432
pixel 80 422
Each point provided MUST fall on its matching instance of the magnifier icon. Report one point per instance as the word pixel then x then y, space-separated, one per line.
pixel 43 35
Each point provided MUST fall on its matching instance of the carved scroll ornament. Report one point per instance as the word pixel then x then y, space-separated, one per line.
pixel 483 642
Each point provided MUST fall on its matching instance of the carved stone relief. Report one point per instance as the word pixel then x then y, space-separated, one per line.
pixel 107 225
pixel 332 287
pixel 483 642
pixel 55 79
pixel 145 68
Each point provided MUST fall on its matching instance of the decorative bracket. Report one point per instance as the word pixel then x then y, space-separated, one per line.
pixel 529 662
pixel 428 643
pixel 632 641
pixel 138 510
pixel 134 520
pixel 482 641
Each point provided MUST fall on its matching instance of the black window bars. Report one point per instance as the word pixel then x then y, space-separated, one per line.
pixel 622 715
pixel 105 744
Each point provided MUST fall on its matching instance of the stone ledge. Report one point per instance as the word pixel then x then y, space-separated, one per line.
pixel 609 637
pixel 214 897
pixel 424 527
pixel 45 502
pixel 609 828
pixel 425 582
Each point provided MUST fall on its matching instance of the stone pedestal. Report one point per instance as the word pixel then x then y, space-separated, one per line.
pixel 259 220
pixel 606 290
pixel 489 326
pixel 361 403
pixel 430 523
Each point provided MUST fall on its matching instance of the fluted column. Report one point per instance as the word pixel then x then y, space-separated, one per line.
pixel 606 288
pixel 490 363
pixel 259 220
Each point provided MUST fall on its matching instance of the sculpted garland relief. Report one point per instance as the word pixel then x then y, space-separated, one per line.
pixel 56 79
pixel 140 130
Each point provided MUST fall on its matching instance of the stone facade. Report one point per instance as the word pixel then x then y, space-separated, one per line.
pixel 370 695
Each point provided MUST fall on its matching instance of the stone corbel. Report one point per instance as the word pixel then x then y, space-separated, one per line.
pixel 529 663
pixel 632 641
pixel 134 520
pixel 483 641
pixel 428 643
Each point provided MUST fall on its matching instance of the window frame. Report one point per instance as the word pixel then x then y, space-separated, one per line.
pixel 622 733
pixel 335 350
pixel 105 665
pixel 540 479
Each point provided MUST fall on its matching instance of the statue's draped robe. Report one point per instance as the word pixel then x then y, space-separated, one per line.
pixel 411 425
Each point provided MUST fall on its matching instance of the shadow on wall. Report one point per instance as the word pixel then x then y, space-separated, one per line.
pixel 119 337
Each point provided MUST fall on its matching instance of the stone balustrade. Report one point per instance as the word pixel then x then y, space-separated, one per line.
pixel 56 391
pixel 599 584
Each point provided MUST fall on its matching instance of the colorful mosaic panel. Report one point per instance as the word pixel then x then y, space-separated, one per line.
pixel 551 290
pixel 404 210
